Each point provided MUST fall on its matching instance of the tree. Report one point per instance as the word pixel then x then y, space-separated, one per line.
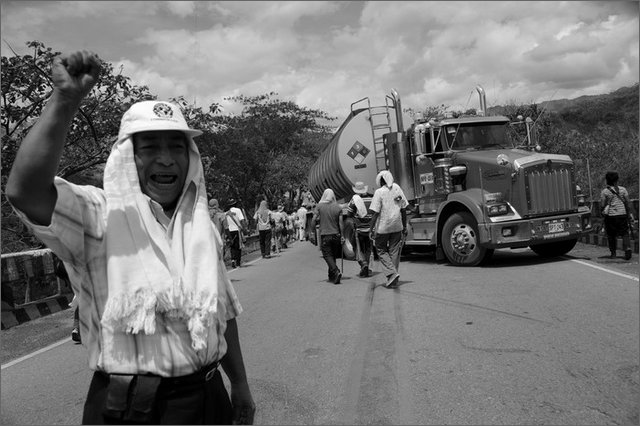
pixel 26 86
pixel 264 151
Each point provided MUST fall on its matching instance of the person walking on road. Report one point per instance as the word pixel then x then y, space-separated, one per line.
pixel 301 220
pixel 262 216
pixel 61 272
pixel 360 216
pixel 236 226
pixel 280 228
pixel 157 308
pixel 617 213
pixel 388 225
pixel 329 213
pixel 217 217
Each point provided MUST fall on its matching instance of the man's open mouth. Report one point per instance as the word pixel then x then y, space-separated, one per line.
pixel 164 178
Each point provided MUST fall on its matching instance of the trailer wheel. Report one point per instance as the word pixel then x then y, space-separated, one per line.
pixel 461 242
pixel 554 249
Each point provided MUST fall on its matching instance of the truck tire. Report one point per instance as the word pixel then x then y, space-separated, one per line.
pixel 554 249
pixel 460 241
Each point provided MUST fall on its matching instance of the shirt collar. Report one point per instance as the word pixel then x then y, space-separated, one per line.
pixel 159 214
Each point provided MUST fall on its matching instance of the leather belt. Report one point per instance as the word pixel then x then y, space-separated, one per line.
pixel 203 375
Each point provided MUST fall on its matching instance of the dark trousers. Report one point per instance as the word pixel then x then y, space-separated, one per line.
pixel 234 245
pixel 265 242
pixel 365 246
pixel 617 226
pixel 331 249
pixel 173 402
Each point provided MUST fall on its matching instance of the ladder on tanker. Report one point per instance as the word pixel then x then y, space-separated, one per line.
pixel 380 125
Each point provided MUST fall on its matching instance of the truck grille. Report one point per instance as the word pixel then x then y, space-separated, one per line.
pixel 549 191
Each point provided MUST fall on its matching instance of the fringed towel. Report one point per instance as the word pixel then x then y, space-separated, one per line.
pixel 154 272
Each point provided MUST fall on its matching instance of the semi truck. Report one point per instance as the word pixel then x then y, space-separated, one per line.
pixel 473 187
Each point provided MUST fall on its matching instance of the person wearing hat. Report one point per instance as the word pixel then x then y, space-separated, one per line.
pixel 388 225
pixel 157 315
pixel 359 217
pixel 236 224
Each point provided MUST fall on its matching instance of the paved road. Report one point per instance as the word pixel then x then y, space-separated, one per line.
pixel 521 341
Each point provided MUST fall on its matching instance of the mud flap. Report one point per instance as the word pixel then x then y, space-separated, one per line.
pixel 440 257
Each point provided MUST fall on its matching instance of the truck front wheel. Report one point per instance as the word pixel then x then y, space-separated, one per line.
pixel 554 249
pixel 461 242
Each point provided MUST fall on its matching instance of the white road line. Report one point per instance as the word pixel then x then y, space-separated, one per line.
pixel 39 351
pixel 620 274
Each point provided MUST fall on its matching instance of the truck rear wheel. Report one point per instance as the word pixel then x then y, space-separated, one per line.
pixel 461 242
pixel 554 249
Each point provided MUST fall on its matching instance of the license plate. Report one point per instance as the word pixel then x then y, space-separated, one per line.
pixel 556 227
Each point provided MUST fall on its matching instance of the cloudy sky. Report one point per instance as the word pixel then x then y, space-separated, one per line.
pixel 326 55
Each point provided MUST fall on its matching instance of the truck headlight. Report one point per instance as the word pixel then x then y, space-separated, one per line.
pixel 580 198
pixel 497 209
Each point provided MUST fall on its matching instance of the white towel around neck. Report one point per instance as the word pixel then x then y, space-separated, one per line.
pixel 150 271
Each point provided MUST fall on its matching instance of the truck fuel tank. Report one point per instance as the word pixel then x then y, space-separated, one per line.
pixel 353 152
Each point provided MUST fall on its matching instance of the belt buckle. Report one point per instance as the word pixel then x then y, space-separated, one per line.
pixel 210 373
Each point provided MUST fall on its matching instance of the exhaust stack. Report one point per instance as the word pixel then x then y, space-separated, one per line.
pixel 483 101
pixel 398 107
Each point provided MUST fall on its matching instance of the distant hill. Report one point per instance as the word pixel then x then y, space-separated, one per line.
pixel 616 110
pixel 627 96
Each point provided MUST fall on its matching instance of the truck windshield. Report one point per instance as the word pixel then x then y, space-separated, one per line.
pixel 477 136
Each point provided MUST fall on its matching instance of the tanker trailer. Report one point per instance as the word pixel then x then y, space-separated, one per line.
pixel 356 152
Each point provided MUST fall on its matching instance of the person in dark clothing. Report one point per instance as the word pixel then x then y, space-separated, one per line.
pixel 329 213
pixel 616 210
pixel 61 272
pixel 236 224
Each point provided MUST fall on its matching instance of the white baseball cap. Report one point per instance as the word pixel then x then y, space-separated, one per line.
pixel 154 115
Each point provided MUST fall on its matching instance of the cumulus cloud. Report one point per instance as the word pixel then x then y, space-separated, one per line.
pixel 326 55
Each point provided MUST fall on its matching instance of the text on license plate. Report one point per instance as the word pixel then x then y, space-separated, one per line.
pixel 556 227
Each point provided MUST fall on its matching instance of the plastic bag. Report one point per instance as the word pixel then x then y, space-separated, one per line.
pixel 348 253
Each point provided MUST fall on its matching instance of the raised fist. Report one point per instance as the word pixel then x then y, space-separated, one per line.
pixel 75 74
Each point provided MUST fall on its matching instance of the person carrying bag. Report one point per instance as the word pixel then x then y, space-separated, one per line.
pixel 618 218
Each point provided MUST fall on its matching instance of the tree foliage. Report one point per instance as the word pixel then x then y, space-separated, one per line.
pixel 264 152
pixel 26 86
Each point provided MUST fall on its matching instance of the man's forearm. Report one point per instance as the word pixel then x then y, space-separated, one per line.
pixel 30 183
pixel 232 362
pixel 374 219
pixel 243 406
